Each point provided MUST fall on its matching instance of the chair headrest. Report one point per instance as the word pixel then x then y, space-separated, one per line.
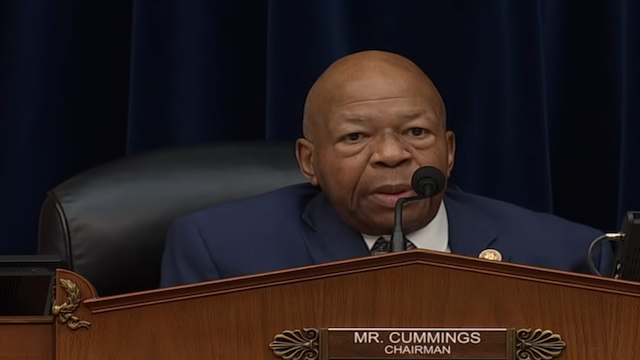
pixel 111 221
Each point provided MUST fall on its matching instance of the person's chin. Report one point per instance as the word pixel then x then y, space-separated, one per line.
pixel 378 220
pixel 413 214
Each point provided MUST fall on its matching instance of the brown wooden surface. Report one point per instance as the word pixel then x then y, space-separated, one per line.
pixel 26 338
pixel 238 318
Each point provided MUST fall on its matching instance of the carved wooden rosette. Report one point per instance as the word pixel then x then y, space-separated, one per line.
pixel 297 345
pixel 70 292
pixel 538 344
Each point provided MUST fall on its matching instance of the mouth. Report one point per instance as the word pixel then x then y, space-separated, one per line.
pixel 388 195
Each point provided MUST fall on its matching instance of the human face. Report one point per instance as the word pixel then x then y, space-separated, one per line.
pixel 378 131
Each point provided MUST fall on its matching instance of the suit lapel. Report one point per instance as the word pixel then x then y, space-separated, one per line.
pixel 470 232
pixel 327 236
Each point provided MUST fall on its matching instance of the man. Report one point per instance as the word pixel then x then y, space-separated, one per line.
pixel 370 120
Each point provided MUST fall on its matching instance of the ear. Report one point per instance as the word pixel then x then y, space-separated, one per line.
pixel 451 151
pixel 304 154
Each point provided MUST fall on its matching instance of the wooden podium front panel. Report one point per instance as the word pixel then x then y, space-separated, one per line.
pixel 26 338
pixel 239 323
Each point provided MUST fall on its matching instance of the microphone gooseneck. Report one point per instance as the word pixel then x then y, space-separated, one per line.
pixel 397 238
pixel 426 182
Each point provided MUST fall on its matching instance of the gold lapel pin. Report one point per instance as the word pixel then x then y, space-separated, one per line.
pixel 491 254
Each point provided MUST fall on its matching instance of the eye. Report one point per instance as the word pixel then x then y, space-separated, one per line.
pixel 418 132
pixel 353 137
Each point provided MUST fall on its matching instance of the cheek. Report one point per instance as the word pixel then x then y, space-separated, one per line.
pixel 342 175
pixel 436 156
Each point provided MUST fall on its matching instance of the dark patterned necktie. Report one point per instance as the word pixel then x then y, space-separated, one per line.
pixel 383 246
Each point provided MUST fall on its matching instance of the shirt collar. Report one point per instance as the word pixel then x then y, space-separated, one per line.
pixel 434 236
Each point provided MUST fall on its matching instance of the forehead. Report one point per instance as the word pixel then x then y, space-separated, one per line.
pixel 401 96
pixel 374 85
pixel 396 109
pixel 371 89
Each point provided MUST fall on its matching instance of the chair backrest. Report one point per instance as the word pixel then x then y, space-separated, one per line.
pixel 109 224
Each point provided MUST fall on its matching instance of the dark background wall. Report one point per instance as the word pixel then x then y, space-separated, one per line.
pixel 543 94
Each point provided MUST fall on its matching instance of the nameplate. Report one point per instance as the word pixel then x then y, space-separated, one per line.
pixel 417 343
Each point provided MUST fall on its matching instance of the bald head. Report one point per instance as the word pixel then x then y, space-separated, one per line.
pixel 371 120
pixel 356 69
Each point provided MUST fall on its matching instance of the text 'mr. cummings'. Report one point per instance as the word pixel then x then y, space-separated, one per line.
pixel 418 342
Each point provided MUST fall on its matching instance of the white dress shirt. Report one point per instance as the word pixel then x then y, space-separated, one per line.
pixel 434 236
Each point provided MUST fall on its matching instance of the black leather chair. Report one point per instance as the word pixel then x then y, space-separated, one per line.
pixel 109 224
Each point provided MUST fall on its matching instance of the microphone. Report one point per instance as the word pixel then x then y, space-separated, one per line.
pixel 426 182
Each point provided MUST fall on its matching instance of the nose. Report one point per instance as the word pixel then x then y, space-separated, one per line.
pixel 390 152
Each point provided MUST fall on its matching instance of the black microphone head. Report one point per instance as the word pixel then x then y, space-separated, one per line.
pixel 428 181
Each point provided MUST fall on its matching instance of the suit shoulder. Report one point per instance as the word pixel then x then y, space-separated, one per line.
pixel 256 234
pixel 280 203
pixel 521 219
pixel 536 238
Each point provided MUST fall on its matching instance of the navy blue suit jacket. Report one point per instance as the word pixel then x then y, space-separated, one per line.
pixel 297 226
